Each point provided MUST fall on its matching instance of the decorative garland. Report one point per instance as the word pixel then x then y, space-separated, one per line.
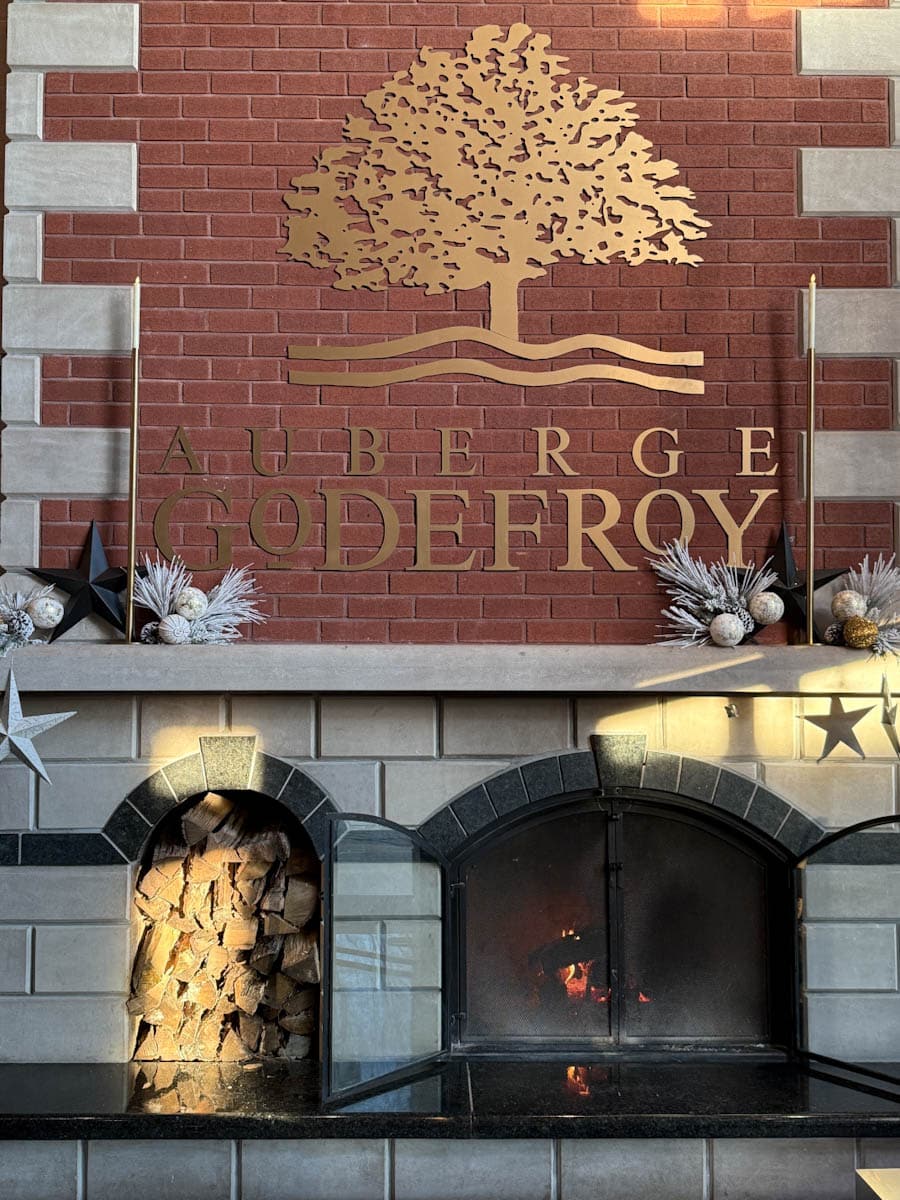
pixel 867 611
pixel 721 604
pixel 188 615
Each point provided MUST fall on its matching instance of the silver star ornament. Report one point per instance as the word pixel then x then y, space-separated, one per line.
pixel 17 732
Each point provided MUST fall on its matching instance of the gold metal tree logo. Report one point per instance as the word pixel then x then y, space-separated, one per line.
pixel 482 170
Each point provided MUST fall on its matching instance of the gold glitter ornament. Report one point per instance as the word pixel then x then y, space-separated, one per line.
pixel 860 633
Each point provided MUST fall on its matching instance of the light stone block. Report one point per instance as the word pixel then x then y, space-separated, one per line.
pixel 63 1029
pixel 434 1169
pixel 85 795
pixel 786 1168
pixel 851 957
pixel 386 890
pixel 370 726
pixel 661 1168
pixel 310 1169
pixel 847 182
pixel 838 455
pixel 353 786
pixel 284 725
pixel 856 323
pixel 16 789
pixel 65 461
pixel 414 790
pixel 20 389
pixel 159 1170
pixel 82 958
pixel 72 176
pixel 513 726
pixel 13 963
pixel 387 954
pixel 857 1027
pixel 65 893
pixel 60 318
pixel 25 104
pixel 101 728
pixel 619 714
pixel 171 725
pixel 846 893
pixel 38 1170
pixel 835 794
pixel 20 532
pixel 849 42
pixel 700 727
pixel 73 37
pixel 23 246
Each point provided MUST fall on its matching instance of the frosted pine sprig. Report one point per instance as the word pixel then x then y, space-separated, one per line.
pixel 230 605
pixel 160 584
pixel 880 584
pixel 12 602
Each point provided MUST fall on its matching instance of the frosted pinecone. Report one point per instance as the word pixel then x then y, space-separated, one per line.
pixel 834 634
pixel 20 625
pixel 150 633
pixel 733 606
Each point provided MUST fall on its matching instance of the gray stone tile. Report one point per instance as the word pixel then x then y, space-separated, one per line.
pixel 879 1152
pixel 733 793
pixel 505 726
pixel 38 1170
pixel 542 777
pixel 186 776
pixel 128 831
pixel 63 1029
pixel 872 847
pixel 507 791
pixel 16 783
pixel 431 1169
pixel 851 957
pixel 857 1027
pixel 376 726
pixel 269 775
pixel 353 786
pixel 227 761
pixel 82 958
pixel 661 1168
pixel 767 811
pixel 96 176
pixel 579 770
pixel 101 727
pixel 301 794
pixel 846 892
pixel 284 724
pixel 65 893
pixel 443 832
pixel 159 1170
pixel 13 961
pixel 85 795
pixel 474 810
pixel 340 1169
pixel 783 1169
pixel 414 790
pixel 698 779
pixel 661 771
pixel 76 38
pixel 799 833
pixel 68 850
pixel 620 758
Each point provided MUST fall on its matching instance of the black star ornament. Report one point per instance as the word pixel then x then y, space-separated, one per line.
pixel 838 726
pixel 94 586
pixel 791 583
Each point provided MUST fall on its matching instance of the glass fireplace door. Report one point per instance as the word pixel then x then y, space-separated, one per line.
pixel 384 1011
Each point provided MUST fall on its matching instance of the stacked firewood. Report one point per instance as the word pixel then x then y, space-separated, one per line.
pixel 227 964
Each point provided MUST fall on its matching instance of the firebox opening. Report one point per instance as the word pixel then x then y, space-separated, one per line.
pixel 621 925
pixel 227 909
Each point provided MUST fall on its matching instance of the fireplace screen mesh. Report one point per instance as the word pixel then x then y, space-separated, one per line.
pixel 617 925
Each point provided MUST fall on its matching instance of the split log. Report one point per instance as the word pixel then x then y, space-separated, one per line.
pixel 207 815
pixel 300 959
pixel 300 902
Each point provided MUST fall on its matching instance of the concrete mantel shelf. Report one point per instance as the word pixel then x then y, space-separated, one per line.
pixel 571 670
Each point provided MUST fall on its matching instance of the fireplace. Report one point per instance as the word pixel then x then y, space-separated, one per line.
pixel 623 924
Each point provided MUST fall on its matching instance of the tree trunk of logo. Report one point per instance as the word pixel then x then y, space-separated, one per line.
pixel 504 305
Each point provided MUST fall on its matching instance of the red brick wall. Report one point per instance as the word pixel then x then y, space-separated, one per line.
pixel 234 98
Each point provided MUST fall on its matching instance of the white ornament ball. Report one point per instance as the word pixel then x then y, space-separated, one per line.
pixel 727 629
pixel 46 612
pixel 766 608
pixel 173 630
pixel 191 603
pixel 848 604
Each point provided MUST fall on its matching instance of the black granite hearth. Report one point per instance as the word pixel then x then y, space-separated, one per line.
pixel 480 1099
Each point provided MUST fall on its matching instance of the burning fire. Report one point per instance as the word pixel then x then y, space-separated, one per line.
pixel 576 979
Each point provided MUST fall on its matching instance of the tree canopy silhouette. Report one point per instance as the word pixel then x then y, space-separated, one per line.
pixel 483 169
